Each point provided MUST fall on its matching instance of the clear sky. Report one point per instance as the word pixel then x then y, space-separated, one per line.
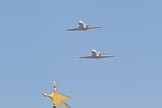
pixel 35 50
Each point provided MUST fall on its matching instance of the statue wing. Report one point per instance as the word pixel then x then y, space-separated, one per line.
pixel 60 100
pixel 62 96
pixel 64 104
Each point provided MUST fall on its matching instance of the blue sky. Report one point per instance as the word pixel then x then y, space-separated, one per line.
pixel 35 49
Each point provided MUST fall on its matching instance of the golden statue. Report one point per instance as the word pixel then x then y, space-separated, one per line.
pixel 57 98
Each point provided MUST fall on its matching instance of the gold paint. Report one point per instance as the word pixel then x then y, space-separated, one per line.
pixel 58 98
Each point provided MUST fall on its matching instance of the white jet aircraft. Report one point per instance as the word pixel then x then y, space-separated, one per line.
pixel 97 55
pixel 83 27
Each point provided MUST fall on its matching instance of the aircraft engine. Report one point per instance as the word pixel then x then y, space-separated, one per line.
pixel 99 53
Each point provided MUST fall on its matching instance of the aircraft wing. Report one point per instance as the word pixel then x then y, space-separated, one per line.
pixel 93 27
pixel 105 56
pixel 97 57
pixel 74 29
pixel 86 57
